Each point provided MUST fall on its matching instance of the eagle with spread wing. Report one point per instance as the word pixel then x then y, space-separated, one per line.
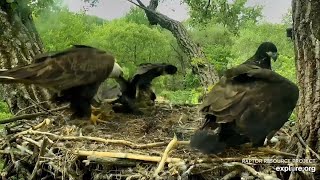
pixel 72 75
pixel 248 104
pixel 136 92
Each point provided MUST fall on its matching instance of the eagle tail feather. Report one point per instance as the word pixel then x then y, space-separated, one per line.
pixel 21 74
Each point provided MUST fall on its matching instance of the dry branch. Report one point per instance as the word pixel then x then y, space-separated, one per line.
pixel 276 152
pixel 110 161
pixel 97 139
pixel 306 146
pixel 207 73
pixel 41 153
pixel 165 155
pixel 255 173
pixel 98 154
pixel 69 157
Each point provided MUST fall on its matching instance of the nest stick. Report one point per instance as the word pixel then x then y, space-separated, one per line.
pixel 97 139
pixel 276 152
pixel 306 146
pixel 46 121
pixel 24 149
pixel 7 141
pixel 41 153
pixel 165 155
pixel 253 171
pixel 132 156
pixel 32 141
pixel 187 172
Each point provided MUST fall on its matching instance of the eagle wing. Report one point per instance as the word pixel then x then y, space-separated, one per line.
pixel 148 71
pixel 78 65
pixel 251 97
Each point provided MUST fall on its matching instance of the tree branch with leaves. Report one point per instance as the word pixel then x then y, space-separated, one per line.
pixel 196 58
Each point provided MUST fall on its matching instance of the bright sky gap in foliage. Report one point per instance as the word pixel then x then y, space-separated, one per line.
pixel 273 10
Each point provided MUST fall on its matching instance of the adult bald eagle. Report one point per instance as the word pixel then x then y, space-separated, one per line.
pixel 248 104
pixel 73 75
pixel 136 92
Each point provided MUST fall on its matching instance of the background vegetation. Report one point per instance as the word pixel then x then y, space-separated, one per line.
pixel 226 41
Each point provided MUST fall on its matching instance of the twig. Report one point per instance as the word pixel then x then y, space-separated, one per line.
pixel 30 116
pixel 8 152
pixel 187 172
pixel 306 146
pixel 46 121
pixel 97 139
pixel 165 155
pixel 24 149
pixel 110 161
pixel 31 106
pixel 98 154
pixel 252 171
pixel 276 152
pixel 32 141
pixel 41 153
pixel 139 5
pixel 207 7
pixel 9 147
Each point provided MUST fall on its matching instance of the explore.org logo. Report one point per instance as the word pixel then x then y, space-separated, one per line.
pixel 285 165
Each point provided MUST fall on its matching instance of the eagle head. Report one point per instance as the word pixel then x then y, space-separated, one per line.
pixel 267 49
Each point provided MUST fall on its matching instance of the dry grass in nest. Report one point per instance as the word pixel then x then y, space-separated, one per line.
pixel 150 146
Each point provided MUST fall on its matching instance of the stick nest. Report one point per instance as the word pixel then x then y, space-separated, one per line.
pixel 150 146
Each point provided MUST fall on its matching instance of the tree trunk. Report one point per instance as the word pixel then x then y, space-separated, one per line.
pixel 19 43
pixel 306 36
pixel 200 64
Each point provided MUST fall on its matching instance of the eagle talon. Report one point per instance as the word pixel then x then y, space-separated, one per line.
pixel 96 118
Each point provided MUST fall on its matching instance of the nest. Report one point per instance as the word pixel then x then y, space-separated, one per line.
pixel 153 145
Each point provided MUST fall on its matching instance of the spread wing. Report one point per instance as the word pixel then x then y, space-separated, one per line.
pixel 78 65
pixel 148 71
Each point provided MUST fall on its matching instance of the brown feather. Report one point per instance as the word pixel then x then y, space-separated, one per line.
pixel 249 103
pixel 72 67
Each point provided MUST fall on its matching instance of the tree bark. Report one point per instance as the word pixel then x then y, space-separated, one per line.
pixel 306 36
pixel 19 43
pixel 200 64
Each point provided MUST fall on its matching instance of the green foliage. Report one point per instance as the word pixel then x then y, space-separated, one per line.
pixel 190 80
pixel 182 96
pixel 136 15
pixel 253 35
pixel 231 14
pixel 131 43
pixel 216 41
pixel 4 111
pixel 39 7
pixel 62 34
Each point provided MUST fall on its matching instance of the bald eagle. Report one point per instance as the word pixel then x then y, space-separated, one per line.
pixel 248 104
pixel 136 92
pixel 72 75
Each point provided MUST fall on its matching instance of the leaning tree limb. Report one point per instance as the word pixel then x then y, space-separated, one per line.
pixel 200 64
